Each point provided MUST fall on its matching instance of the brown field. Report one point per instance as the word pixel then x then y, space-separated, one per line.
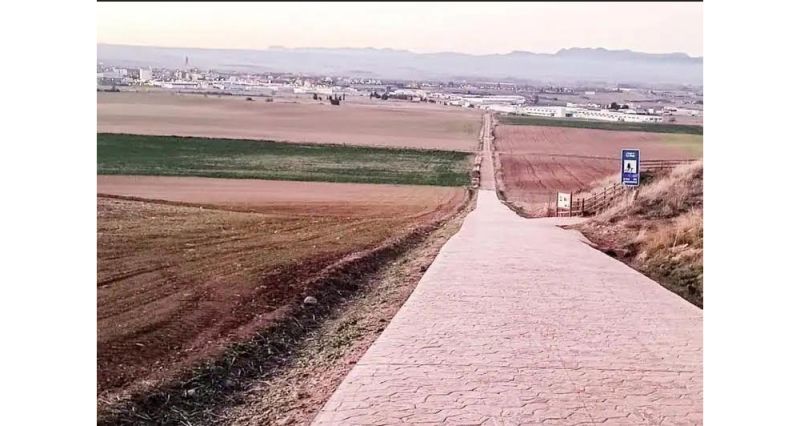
pixel 186 266
pixel 536 162
pixel 391 124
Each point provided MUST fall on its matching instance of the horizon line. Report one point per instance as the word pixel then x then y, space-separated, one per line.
pixel 401 50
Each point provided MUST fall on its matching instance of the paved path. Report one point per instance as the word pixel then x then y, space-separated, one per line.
pixel 518 321
pixel 487 164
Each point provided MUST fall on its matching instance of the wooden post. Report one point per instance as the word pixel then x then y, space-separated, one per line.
pixel 582 205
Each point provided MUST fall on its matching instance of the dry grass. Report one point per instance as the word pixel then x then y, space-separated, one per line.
pixel 669 196
pixel 686 230
pixel 676 188
pixel 659 231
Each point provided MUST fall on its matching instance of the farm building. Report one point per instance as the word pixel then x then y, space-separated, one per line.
pixel 493 100
pixel 544 111
pixel 508 109
pixel 588 114
pixel 606 115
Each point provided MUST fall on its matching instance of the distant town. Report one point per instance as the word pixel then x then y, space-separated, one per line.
pixel 630 103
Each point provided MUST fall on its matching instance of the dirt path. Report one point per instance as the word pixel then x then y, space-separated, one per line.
pixel 487 164
pixel 550 331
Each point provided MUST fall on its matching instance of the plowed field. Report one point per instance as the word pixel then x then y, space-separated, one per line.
pixel 186 266
pixel 536 162
pixel 379 124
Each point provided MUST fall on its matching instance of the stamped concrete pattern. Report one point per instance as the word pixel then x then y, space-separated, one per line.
pixel 521 322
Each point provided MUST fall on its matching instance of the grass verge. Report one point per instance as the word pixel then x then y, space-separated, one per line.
pixel 126 154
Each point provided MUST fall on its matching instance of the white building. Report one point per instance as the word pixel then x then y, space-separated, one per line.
pixel 145 75
pixel 411 92
pixel 606 115
pixel 493 100
pixel 544 111
pixel 179 85
pixel 508 109
pixel 587 114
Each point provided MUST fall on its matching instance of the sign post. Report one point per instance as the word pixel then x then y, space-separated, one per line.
pixel 564 201
pixel 630 167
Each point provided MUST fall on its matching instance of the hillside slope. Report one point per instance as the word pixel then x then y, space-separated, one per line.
pixel 659 231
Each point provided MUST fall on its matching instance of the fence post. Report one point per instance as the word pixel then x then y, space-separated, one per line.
pixel 582 205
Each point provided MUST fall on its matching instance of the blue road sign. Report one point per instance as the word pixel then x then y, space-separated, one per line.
pixel 630 167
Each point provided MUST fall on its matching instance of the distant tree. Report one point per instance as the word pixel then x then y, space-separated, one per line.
pixel 614 106
pixel 384 96
pixel 316 98
pixel 624 107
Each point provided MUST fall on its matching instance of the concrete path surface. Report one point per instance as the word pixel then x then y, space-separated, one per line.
pixel 518 321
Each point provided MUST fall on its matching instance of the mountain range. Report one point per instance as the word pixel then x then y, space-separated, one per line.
pixel 574 65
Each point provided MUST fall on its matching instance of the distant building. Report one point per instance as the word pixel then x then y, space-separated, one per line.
pixel 572 111
pixel 544 111
pixel 501 108
pixel 145 75
pixel 606 115
pixel 492 100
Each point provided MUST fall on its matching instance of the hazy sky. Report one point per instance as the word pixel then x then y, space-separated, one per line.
pixel 420 27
